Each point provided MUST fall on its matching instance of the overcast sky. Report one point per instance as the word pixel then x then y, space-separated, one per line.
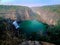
pixel 29 3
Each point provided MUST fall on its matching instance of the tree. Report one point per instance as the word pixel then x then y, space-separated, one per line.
pixel 54 33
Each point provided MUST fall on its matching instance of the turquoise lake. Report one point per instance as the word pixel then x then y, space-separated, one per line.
pixel 30 26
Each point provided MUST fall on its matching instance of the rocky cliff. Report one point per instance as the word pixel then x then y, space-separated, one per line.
pixel 48 14
pixel 16 12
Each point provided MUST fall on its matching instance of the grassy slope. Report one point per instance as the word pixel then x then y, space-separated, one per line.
pixel 52 8
pixel 7 8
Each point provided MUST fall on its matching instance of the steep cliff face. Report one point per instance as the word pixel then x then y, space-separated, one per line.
pixel 48 14
pixel 16 12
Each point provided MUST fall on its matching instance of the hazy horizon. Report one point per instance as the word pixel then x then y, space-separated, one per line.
pixel 30 3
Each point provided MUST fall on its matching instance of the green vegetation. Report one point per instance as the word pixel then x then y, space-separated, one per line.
pixel 8 33
pixel 7 8
pixel 53 8
pixel 53 34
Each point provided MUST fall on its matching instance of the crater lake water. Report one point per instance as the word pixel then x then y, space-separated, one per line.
pixel 30 26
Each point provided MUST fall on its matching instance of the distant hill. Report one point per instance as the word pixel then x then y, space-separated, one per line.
pixel 49 14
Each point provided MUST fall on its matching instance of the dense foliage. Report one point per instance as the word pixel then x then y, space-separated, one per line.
pixel 53 34
pixel 9 35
